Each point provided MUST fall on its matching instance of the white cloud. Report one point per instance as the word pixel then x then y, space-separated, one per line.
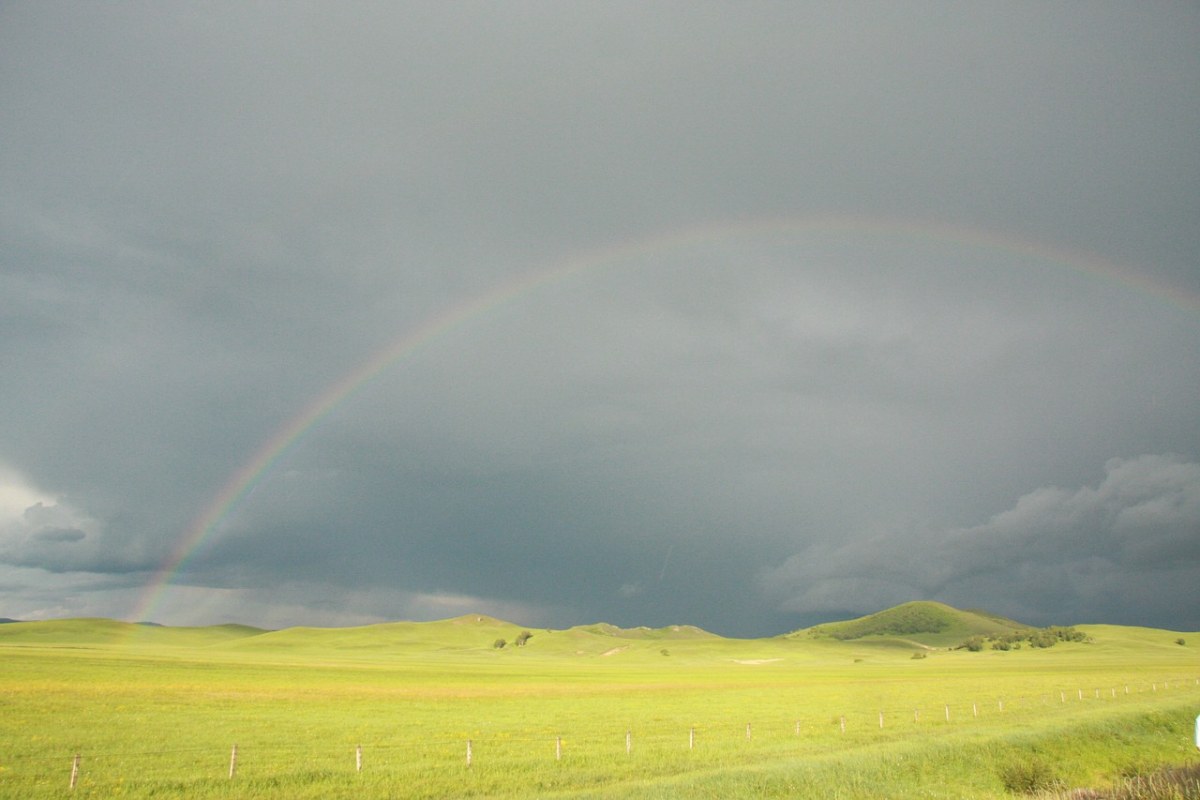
pixel 42 531
pixel 16 494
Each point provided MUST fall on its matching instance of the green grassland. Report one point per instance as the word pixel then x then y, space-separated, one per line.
pixel 885 708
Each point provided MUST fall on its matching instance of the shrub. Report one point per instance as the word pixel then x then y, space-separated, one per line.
pixel 499 644
pixel 522 638
pixel 1028 776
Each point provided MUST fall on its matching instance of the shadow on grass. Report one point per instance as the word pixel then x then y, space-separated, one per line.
pixel 1170 783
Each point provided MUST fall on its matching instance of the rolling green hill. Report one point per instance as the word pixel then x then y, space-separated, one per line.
pixel 911 626
pixel 924 623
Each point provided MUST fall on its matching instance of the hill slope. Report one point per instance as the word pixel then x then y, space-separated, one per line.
pixel 98 631
pixel 923 622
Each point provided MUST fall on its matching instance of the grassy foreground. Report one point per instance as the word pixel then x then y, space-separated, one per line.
pixel 589 712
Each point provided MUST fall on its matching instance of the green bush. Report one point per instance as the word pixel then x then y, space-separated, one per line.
pixel 1028 776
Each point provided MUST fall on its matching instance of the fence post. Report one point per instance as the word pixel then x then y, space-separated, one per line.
pixel 975 709
pixel 358 758
pixel 75 770
pixel 628 742
pixel 797 727
pixel 916 715
pixel 747 731
pixel 843 723
pixel 558 748
pixel 1000 704
pixel 468 752
pixel 881 719
pixel 947 713
pixel 692 738
pixel 232 761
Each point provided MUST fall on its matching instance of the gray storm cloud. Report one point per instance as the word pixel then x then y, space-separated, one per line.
pixel 1058 555
pixel 210 218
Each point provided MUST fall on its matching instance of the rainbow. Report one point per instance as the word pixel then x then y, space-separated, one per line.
pixel 242 481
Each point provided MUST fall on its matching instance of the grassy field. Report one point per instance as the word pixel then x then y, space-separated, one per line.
pixel 587 712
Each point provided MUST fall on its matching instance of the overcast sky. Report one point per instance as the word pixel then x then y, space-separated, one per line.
pixel 827 307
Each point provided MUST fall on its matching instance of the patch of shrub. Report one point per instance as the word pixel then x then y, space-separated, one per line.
pixel 499 644
pixel 1036 637
pixel 1028 776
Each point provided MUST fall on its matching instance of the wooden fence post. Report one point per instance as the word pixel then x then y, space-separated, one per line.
pixel 628 742
pixel 558 748
pixel 232 761
pixel 692 738
pixel 797 727
pixel 880 719
pixel 843 723
pixel 358 758
pixel 947 713
pixel 75 770
pixel 468 752
pixel 747 731
pixel 916 715
pixel 1000 704
pixel 975 709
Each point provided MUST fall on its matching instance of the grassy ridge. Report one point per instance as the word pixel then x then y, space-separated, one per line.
pixel 156 716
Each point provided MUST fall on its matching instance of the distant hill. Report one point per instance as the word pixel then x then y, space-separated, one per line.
pixel 471 632
pixel 922 622
pixel 917 626
pixel 99 631
pixel 669 632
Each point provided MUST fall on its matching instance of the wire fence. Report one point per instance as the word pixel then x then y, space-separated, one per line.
pixel 769 735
